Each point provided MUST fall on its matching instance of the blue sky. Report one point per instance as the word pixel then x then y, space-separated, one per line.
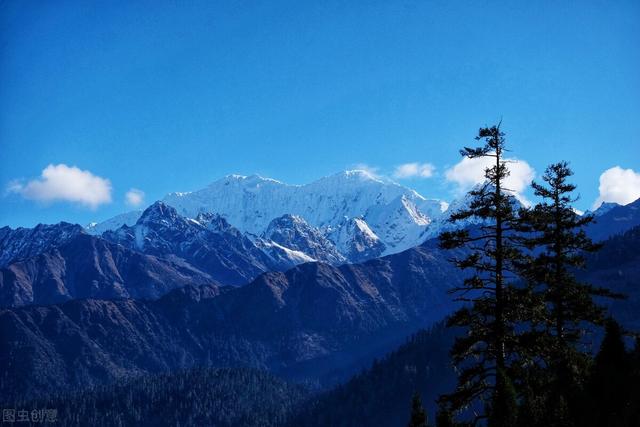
pixel 169 96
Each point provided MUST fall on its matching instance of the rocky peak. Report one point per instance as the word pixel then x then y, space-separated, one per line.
pixel 23 243
pixel 214 222
pixel 355 239
pixel 159 213
pixel 295 233
pixel 604 208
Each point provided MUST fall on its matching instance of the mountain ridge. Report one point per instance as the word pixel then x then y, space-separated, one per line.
pixel 307 323
pixel 90 267
pixel 396 214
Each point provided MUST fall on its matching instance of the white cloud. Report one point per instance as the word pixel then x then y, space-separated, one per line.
pixel 64 183
pixel 618 185
pixel 469 172
pixel 411 170
pixel 134 197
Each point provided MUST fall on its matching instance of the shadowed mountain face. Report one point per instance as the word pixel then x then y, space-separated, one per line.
pixel 89 267
pixel 293 232
pixel 306 323
pixel 612 219
pixel 23 243
pixel 209 244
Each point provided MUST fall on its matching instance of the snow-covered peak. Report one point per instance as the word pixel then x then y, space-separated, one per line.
pixel 356 177
pixel 359 174
pixel 355 240
pixel 363 228
pixel 604 208
pixel 396 214
pixel 159 213
pixel 250 179
pixel 242 181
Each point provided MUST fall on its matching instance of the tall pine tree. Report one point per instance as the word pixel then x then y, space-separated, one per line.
pixel 493 301
pixel 556 237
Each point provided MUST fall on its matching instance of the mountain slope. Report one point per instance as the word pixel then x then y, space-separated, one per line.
pixel 89 267
pixel 162 251
pixel 308 323
pixel 612 219
pixel 23 243
pixel 617 266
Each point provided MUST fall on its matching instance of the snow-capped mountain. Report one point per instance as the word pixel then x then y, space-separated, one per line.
pixel 397 215
pixel 208 242
pixel 293 232
pixel 356 240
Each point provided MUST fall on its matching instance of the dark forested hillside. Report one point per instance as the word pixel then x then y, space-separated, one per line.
pixel 381 395
pixel 617 266
pixel 201 397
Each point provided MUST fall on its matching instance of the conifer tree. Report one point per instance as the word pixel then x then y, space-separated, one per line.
pixel 611 382
pixel 556 236
pixel 418 414
pixel 493 302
